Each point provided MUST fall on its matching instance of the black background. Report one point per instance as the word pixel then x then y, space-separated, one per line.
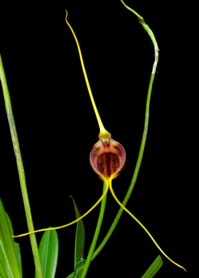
pixel 57 129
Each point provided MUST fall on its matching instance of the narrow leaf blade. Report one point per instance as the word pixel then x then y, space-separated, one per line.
pixel 2 271
pixel 154 268
pixel 48 252
pixel 8 251
pixel 18 255
pixel 5 265
pixel 9 224
pixel 16 245
pixel 79 237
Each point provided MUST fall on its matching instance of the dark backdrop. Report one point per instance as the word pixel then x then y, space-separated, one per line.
pixel 57 128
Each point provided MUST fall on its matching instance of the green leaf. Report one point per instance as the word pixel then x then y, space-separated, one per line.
pixel 16 245
pixel 10 224
pixel 78 272
pixel 18 254
pixel 79 237
pixel 154 267
pixel 48 252
pixel 9 258
pixel 5 263
pixel 2 272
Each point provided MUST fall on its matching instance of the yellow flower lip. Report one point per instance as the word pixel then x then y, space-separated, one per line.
pixel 107 158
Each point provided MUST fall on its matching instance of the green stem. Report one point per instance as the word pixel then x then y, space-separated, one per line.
pixel 144 135
pixel 93 244
pixel 20 168
pixel 96 235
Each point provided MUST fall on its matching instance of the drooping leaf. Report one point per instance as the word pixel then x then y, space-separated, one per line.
pixel 154 267
pixel 48 252
pixel 79 237
pixel 9 258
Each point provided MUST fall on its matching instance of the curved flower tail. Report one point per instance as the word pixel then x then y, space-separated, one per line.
pixel 101 126
pixel 69 224
pixel 143 227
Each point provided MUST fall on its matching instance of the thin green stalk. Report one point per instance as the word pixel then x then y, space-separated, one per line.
pixel 96 235
pixel 144 135
pixel 143 142
pixel 20 168
pixel 94 241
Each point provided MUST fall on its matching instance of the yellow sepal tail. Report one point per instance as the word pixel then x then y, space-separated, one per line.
pixel 101 126
pixel 133 216
pixel 69 224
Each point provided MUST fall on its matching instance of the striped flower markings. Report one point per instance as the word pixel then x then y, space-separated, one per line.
pixel 107 157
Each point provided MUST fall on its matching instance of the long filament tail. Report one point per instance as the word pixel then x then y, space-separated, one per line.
pixel 143 227
pixel 101 126
pixel 69 224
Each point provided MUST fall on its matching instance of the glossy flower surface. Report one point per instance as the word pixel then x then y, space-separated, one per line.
pixel 107 158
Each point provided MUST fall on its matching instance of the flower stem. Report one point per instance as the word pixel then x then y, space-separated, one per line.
pixel 144 135
pixel 143 141
pixel 20 168
pixel 96 235
pixel 94 241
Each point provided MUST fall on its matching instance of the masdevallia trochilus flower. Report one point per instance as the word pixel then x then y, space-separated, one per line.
pixel 107 159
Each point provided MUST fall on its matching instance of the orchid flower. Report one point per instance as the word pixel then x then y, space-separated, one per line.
pixel 107 158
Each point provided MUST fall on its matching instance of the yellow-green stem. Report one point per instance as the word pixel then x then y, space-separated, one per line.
pixel 20 168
